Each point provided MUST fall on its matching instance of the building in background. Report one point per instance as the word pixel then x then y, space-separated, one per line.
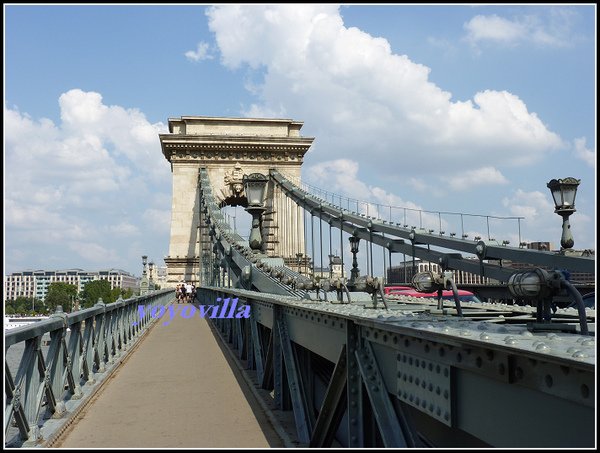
pixel 333 271
pixel 158 275
pixel 335 264
pixel 403 273
pixel 35 283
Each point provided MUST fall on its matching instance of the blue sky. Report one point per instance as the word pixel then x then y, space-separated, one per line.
pixel 451 108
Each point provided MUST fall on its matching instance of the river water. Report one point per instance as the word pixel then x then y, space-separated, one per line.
pixel 15 353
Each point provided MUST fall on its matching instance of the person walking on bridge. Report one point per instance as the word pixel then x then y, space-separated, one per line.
pixel 188 292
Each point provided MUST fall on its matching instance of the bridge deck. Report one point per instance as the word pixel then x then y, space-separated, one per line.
pixel 176 390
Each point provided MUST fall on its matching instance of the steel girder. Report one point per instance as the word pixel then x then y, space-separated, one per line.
pixel 439 381
pixel 379 232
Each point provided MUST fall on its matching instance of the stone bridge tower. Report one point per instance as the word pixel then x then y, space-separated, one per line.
pixel 230 148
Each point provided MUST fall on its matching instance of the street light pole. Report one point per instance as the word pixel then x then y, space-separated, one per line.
pixel 299 256
pixel 564 192
pixel 354 273
pixel 255 185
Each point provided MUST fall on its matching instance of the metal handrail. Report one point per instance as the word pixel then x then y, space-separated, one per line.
pixel 97 336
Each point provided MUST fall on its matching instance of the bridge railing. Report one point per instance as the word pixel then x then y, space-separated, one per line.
pixel 81 345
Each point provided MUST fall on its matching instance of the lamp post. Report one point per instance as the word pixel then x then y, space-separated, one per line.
pixel 299 256
pixel 255 185
pixel 144 282
pixel 354 273
pixel 151 276
pixel 563 192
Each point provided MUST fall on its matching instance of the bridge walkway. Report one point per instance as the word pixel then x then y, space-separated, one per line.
pixel 177 390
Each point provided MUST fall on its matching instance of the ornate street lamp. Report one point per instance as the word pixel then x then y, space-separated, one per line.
pixel 255 186
pixel 299 255
pixel 563 192
pixel 354 273
pixel 144 284
pixel 150 276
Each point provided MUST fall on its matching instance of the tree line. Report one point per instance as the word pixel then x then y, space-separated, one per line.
pixel 66 295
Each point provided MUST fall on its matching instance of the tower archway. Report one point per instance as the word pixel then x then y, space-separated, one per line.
pixel 230 148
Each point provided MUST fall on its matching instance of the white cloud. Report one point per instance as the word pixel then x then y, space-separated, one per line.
pixel 584 153
pixel 84 181
pixel 341 177
pixel 494 28
pixel 538 217
pixel 124 229
pixel 94 253
pixel 552 30
pixel 469 179
pixel 366 103
pixel 158 219
pixel 123 132
pixel 419 184
pixel 201 52
pixel 533 205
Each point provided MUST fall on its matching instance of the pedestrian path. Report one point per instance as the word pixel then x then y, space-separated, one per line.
pixel 176 390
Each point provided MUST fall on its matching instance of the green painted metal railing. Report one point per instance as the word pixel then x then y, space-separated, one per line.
pixel 82 345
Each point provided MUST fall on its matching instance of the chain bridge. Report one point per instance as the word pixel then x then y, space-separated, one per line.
pixel 332 358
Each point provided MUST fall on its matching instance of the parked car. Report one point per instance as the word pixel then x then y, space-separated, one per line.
pixel 463 295
pixel 589 301
pixel 394 289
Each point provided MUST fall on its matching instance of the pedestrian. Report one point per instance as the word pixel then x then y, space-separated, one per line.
pixel 180 293
pixel 188 292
